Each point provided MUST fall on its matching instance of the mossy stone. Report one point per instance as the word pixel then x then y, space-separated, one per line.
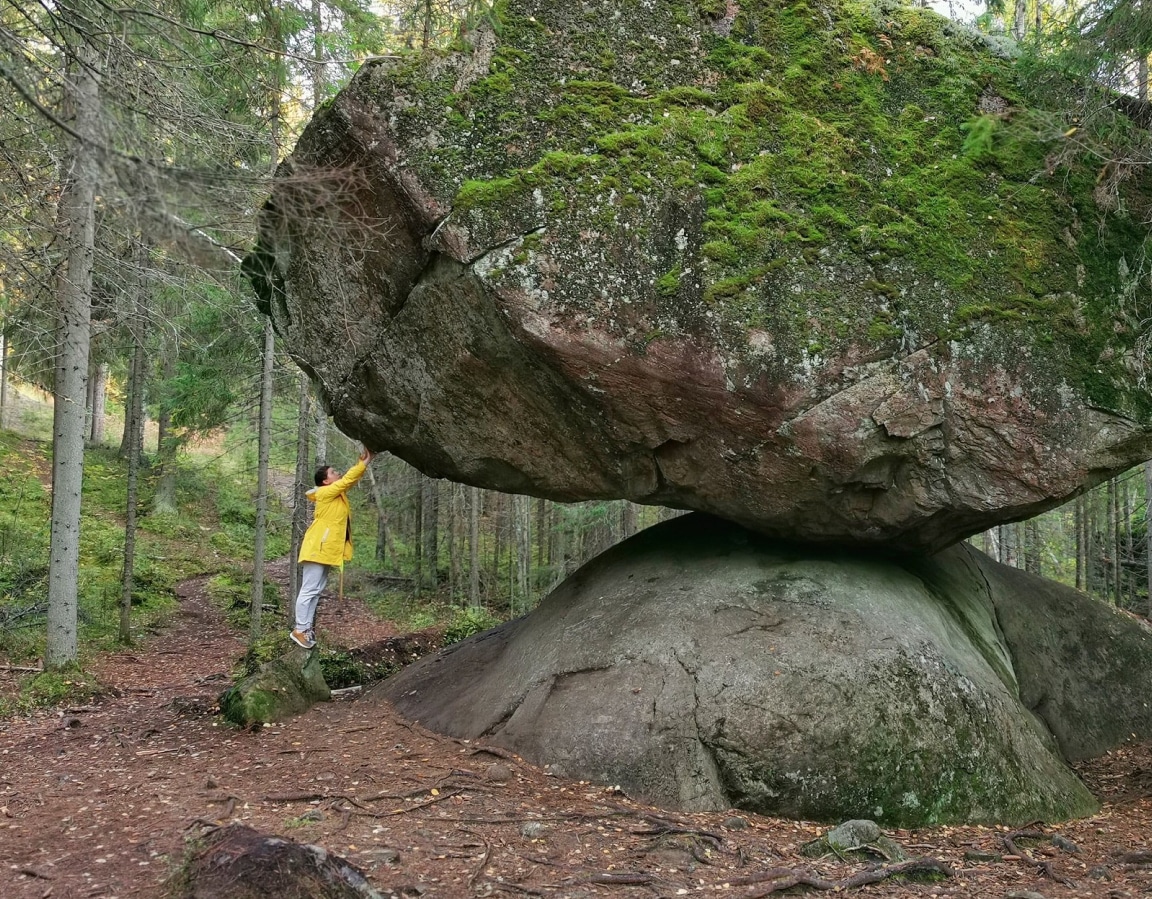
pixel 282 688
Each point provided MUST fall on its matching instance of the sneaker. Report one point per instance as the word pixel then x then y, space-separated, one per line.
pixel 302 638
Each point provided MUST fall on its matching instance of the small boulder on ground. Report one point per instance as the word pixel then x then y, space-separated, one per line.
pixel 860 837
pixel 237 862
pixel 283 687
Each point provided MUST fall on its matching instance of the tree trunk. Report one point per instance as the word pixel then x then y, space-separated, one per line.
pixel 89 399
pixel 303 481
pixel 629 520
pixel 511 545
pixel 1020 19
pixel 1148 531
pixel 1078 526
pixel 560 553
pixel 321 434
pixel 300 484
pixel 1127 581
pixel 418 530
pixel 1032 546
pixel 1092 567
pixel 474 548
pixel 8 401
pixel 259 536
pixel 383 538
pixel 429 533
pixel 497 515
pixel 455 540
pixel 1007 550
pixel 77 224
pixel 523 530
pixel 317 63
pixel 134 387
pixel 1113 542
pixel 3 379
pixel 134 427
pixel 167 444
pixel 541 532
pixel 99 404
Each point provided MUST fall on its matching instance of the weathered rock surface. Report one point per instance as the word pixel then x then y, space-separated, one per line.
pixel 756 259
pixel 703 666
pixel 282 688
pixel 1083 667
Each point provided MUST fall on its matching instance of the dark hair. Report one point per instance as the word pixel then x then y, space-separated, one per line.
pixel 321 474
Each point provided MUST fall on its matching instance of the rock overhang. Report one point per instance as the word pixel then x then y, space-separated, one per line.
pixel 763 271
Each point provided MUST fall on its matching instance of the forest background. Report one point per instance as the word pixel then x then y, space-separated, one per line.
pixel 136 146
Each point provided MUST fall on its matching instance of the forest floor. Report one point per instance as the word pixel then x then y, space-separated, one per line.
pixel 102 800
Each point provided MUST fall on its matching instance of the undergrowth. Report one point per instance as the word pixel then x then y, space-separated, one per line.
pixel 211 532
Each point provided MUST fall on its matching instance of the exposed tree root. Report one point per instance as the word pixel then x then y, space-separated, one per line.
pixel 780 879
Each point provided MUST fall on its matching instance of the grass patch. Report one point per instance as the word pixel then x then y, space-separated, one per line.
pixel 71 686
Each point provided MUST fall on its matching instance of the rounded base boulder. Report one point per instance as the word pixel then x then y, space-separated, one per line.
pixel 703 667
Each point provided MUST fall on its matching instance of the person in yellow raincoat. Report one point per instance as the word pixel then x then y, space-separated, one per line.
pixel 327 543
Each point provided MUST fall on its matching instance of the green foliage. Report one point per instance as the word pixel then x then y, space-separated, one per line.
pixel 497 190
pixel 712 8
pixel 170 548
pixel 468 621
pixel 214 363
pixel 34 420
pixel 880 330
pixel 342 669
pixel 668 284
pixel 231 591
pixel 410 612
pixel 235 599
pixel 978 140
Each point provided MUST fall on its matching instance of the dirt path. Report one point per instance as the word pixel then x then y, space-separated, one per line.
pixel 98 802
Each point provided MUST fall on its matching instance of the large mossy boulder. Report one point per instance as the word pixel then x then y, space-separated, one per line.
pixel 703 666
pixel 801 265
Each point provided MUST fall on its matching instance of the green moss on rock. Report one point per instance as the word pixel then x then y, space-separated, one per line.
pixel 855 129
pixel 282 688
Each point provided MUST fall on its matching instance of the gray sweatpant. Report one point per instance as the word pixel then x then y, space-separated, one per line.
pixel 313 580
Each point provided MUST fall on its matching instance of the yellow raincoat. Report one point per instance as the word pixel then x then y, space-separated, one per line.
pixel 327 539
